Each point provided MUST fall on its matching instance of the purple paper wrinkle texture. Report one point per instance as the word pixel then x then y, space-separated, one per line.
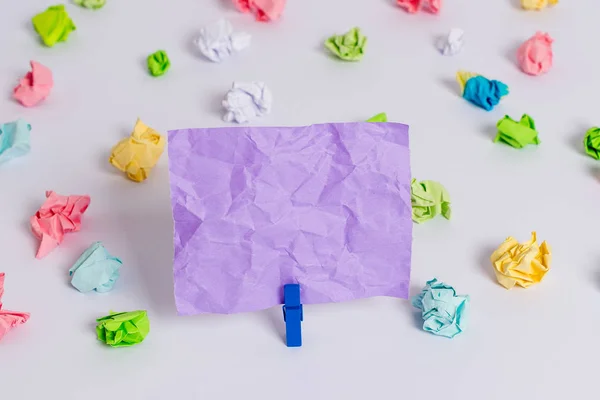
pixel 326 206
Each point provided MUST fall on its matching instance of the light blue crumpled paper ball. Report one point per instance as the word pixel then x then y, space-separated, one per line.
pixel 14 140
pixel 443 312
pixel 95 269
pixel 483 92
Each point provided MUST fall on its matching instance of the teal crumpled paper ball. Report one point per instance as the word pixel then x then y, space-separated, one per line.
pixel 14 140
pixel 484 93
pixel 443 312
pixel 96 269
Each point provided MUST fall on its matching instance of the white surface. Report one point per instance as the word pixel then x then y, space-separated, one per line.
pixel 521 344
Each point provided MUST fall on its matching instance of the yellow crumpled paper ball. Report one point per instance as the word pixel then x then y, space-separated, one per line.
pixel 537 4
pixel 521 264
pixel 139 153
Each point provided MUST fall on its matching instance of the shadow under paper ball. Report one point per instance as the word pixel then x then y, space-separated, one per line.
pixel 491 131
pixel 451 85
pixel 595 279
pixel 516 4
pixel 594 171
pixel 575 140
pixel 485 264
pixel 189 46
pixel 511 53
pixel 227 5
pixel 408 307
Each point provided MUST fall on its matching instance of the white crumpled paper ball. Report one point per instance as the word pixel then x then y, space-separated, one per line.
pixel 246 101
pixel 452 43
pixel 218 41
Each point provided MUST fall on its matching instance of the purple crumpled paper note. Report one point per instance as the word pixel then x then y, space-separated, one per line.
pixel 326 206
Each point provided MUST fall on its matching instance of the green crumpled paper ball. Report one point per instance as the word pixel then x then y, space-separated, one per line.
pixel 381 117
pixel 158 63
pixel 349 47
pixel 53 25
pixel 517 134
pixel 591 142
pixel 123 329
pixel 92 4
pixel 428 199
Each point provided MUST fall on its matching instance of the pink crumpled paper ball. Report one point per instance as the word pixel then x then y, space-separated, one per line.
pixel 535 55
pixel 412 6
pixel 35 86
pixel 9 319
pixel 57 216
pixel 265 10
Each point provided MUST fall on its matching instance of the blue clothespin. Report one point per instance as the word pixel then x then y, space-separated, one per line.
pixel 292 314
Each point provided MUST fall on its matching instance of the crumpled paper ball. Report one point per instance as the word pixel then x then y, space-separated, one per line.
pixel 349 46
pixel 452 43
pixel 53 25
pixel 444 312
pixel 123 329
pixel 517 134
pixel 521 264
pixel 218 41
pixel 535 55
pixel 35 86
pixel 91 4
pixel 265 10
pixel 591 142
pixel 139 153
pixel 429 198
pixel 158 63
pixel 9 319
pixel 381 117
pixel 481 91
pixel 56 217
pixel 14 140
pixel 246 101
pixel 412 6
pixel 95 270
pixel 537 5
